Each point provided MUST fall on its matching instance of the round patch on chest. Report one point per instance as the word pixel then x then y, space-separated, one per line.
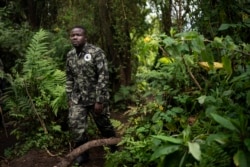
pixel 87 57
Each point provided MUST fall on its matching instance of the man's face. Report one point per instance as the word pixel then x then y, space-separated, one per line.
pixel 77 37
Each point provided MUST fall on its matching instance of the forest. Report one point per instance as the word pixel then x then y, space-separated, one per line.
pixel 179 79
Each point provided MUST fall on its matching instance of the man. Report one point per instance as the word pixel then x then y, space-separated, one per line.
pixel 1 78
pixel 1 88
pixel 87 89
pixel 1 73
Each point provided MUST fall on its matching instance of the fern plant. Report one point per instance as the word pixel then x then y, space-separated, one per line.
pixel 36 93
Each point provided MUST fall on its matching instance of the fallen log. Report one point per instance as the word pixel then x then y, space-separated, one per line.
pixel 67 160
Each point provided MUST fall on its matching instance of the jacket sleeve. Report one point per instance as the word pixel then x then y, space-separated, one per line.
pixel 102 92
pixel 69 80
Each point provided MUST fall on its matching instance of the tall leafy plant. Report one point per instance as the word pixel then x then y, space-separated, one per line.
pixel 36 95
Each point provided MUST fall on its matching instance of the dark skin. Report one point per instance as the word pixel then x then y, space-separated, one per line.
pixel 78 40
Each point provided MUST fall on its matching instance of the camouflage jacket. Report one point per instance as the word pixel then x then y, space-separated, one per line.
pixel 1 65
pixel 87 75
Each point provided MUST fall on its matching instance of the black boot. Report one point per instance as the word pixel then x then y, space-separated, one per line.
pixel 108 134
pixel 82 158
pixel 113 148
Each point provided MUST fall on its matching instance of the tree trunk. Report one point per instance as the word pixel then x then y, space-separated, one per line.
pixel 117 45
pixel 32 14
pixel 107 40
pixel 166 16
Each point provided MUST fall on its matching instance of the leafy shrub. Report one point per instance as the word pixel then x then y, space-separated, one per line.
pixel 187 115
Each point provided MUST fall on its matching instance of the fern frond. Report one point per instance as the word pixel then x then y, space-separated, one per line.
pixel 39 79
pixel 16 100
pixel 37 60
pixel 213 155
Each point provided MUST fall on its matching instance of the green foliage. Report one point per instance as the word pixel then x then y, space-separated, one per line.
pixel 179 145
pixel 220 18
pixel 160 131
pixel 14 37
pixel 215 155
pixel 187 115
pixel 35 96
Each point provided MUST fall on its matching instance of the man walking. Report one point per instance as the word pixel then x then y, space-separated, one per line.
pixel 87 89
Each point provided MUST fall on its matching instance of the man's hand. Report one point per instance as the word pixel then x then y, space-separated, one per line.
pixel 70 103
pixel 98 108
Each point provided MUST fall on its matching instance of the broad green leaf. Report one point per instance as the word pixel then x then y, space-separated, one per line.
pixel 207 56
pixel 210 109
pixel 198 45
pixel 211 99
pixel 248 98
pixel 247 144
pixel 164 150
pixel 166 60
pixel 194 149
pixel 186 134
pixel 172 32
pixel 218 40
pixel 224 122
pixel 201 99
pixel 236 159
pixel 240 159
pixel 169 139
pixel 227 64
pixel 227 93
pixel 217 43
pixel 188 35
pixel 183 159
pixel 224 27
pixel 169 41
pixel 220 138
pixel 239 78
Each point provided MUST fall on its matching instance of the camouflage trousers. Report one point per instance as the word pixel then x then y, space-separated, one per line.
pixel 78 122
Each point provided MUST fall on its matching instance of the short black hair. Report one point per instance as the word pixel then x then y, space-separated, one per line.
pixel 81 27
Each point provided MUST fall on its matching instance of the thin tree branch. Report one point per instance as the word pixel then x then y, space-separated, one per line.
pixel 67 160
pixel 163 51
pixel 190 73
pixel 123 8
pixel 34 109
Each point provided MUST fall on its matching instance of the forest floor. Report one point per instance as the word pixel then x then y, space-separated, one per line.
pixel 41 158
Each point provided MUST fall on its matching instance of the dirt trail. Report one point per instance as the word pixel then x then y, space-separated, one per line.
pixel 40 158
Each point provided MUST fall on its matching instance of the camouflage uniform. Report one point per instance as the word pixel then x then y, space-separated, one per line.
pixel 1 65
pixel 87 83
pixel 1 78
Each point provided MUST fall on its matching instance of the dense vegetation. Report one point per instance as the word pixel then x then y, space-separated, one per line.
pixel 186 115
pixel 181 75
